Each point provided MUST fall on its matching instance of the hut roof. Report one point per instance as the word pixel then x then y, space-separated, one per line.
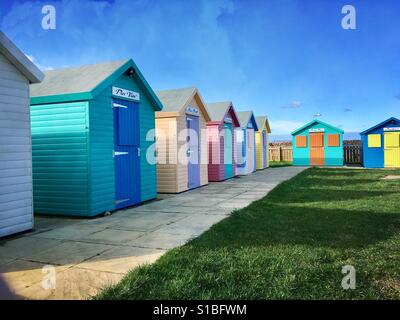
pixel 245 117
pixel 87 81
pixel 314 122
pixel 175 101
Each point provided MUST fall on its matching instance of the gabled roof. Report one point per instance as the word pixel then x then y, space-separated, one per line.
pixel 176 101
pixel 262 122
pixel 218 111
pixel 86 82
pixel 312 123
pixel 380 125
pixel 245 117
pixel 19 60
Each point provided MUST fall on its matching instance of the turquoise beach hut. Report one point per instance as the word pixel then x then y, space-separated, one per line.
pixel 90 139
pixel 317 144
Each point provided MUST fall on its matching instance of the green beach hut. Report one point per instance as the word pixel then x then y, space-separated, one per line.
pixel 90 139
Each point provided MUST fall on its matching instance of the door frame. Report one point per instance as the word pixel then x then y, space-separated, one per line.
pixel 386 149
pixel 197 182
pixel 124 150
pixel 229 127
pixel 322 148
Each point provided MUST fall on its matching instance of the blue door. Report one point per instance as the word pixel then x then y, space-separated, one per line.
pixel 193 152
pixel 126 153
pixel 228 150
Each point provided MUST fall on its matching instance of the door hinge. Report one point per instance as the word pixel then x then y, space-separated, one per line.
pixel 138 152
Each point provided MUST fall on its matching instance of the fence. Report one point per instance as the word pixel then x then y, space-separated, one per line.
pixel 280 153
pixel 352 154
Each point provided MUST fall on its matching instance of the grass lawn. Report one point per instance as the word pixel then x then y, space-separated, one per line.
pixel 277 164
pixel 292 244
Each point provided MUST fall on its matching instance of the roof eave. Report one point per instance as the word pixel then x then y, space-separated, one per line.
pixel 253 119
pixel 378 125
pixel 235 119
pixel 20 60
pixel 267 125
pixel 70 97
pixel 316 121
pixel 201 102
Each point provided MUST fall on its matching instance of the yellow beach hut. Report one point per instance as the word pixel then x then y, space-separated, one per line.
pixel 181 141
pixel 262 148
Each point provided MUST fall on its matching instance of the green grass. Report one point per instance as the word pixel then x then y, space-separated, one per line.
pixel 278 164
pixel 292 244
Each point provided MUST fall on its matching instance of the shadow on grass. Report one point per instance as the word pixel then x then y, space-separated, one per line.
pixel 293 225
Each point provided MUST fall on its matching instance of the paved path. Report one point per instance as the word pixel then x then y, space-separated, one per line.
pixel 86 255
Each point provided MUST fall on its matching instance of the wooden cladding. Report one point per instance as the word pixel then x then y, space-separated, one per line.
pixel 333 140
pixel 301 141
pixel 316 140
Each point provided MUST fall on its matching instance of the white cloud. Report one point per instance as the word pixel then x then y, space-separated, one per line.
pixel 294 105
pixel 40 66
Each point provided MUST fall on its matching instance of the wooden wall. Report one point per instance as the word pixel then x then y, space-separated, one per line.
pixel 172 174
pixel 15 151
pixel 166 155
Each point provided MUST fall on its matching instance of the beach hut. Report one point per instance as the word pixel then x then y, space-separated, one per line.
pixel 221 141
pixel 262 144
pixel 317 144
pixel 245 143
pixel 92 151
pixel 381 145
pixel 16 73
pixel 181 134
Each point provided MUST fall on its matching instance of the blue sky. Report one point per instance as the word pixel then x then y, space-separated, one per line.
pixel 288 59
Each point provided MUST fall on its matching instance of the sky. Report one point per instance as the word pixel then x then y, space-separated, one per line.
pixel 288 59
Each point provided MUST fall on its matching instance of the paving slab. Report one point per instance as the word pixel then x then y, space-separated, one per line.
pixel 192 225
pixel 235 204
pixel 121 259
pixel 21 274
pixel 26 247
pixel 73 232
pixel 218 211
pixel 247 196
pixel 148 222
pixel 5 260
pixel 72 284
pixel 160 240
pixel 113 236
pixel 70 253
pixel 170 208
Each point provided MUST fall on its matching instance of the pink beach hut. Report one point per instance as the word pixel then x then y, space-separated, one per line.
pixel 221 141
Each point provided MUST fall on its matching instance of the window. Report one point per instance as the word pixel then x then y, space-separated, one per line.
pixel 301 141
pixel 374 141
pixel 333 140
pixel 316 140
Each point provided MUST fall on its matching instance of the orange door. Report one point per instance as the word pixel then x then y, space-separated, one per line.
pixel 317 149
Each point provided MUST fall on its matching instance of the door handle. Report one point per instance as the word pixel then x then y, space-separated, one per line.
pixel 117 105
pixel 119 153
